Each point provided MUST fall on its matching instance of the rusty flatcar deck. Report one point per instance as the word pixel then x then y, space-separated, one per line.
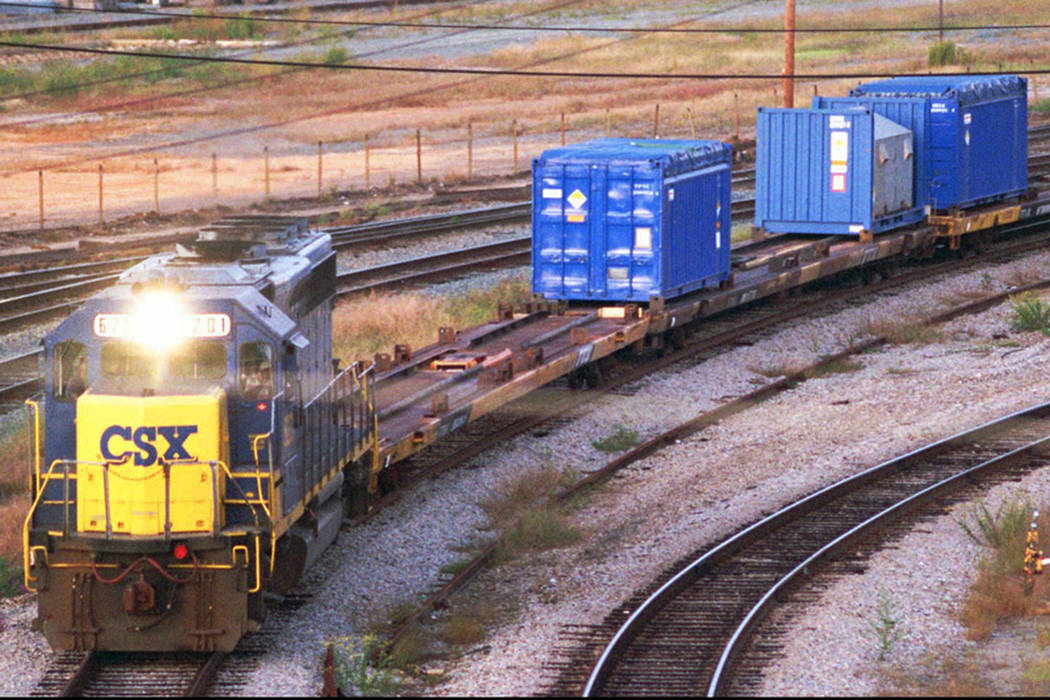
pixel 466 375
pixel 447 385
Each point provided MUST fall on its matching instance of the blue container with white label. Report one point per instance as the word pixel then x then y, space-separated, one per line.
pixel 627 220
pixel 843 172
pixel 971 133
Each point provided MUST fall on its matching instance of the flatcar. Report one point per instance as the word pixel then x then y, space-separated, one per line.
pixel 193 442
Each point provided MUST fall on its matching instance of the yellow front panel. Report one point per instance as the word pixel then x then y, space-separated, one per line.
pixel 135 435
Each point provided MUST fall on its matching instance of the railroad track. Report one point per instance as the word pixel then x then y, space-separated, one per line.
pixel 95 674
pixel 80 674
pixel 689 633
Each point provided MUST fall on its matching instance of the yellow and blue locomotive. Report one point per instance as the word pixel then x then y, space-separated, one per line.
pixel 194 442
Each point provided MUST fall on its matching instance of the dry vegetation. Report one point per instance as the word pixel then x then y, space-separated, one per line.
pixel 375 324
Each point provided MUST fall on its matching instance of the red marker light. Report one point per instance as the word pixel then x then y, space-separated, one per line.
pixel 181 551
pixel 261 406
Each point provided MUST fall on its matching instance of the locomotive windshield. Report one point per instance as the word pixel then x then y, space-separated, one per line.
pixel 194 361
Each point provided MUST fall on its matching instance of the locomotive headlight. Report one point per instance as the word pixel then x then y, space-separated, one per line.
pixel 159 320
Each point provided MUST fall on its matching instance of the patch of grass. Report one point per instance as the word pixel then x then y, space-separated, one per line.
pixel 409 649
pixel 620 441
pixel 948 53
pixel 1040 107
pixel 361 667
pixel 455 567
pixel 462 629
pixel 841 366
pixel 952 674
pixel 776 371
pixel 903 331
pixel 999 589
pixel 523 493
pixel 400 611
pixel 1030 313
pixel 542 529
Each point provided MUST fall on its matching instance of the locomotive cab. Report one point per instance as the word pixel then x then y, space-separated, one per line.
pixel 189 425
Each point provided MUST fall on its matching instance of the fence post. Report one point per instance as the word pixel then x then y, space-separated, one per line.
pixel 470 151
pixel 320 144
pixel 736 114
pixel 656 121
pixel 214 174
pixel 266 171
pixel 608 122
pixel 419 157
pixel 40 191
pixel 368 164
pixel 100 218
pixel 514 138
pixel 563 128
pixel 692 126
pixel 156 186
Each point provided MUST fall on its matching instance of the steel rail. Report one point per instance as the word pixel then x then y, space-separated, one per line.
pixel 442 266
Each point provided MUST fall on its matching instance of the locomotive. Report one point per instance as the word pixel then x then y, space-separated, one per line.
pixel 198 439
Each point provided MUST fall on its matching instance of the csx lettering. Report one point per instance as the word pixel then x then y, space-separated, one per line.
pixel 145 438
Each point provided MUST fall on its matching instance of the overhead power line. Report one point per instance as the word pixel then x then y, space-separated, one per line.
pixel 389 68
pixel 546 28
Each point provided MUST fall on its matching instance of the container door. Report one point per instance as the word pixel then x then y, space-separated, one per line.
pixel 594 227
pixel 616 270
pixel 561 245
pixel 947 177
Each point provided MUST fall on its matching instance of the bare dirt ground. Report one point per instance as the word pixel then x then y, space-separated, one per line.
pixel 155 138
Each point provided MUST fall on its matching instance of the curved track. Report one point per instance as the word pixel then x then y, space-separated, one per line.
pixel 684 636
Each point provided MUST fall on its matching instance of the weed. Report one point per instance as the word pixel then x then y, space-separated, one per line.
pixel 999 588
pixel 455 567
pixel 840 366
pixel 947 53
pixel 522 494
pixel 408 650
pixel 1041 107
pixel 361 666
pixel 460 630
pixel 620 441
pixel 542 529
pixel 1031 313
pixel 902 331
pixel 400 611
pixel 886 624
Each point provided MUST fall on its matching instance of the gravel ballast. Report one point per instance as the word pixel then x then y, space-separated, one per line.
pixel 675 502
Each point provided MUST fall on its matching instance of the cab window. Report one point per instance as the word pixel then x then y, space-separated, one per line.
pixel 122 360
pixel 69 370
pixel 198 360
pixel 256 371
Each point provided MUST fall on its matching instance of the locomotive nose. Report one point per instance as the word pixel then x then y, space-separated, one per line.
pixel 151 465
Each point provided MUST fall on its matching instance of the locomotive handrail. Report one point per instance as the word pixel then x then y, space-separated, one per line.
pixel 34 472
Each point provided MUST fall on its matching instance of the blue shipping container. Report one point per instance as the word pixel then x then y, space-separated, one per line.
pixel 840 172
pixel 971 133
pixel 630 219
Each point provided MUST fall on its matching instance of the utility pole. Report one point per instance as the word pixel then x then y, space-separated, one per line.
pixel 789 53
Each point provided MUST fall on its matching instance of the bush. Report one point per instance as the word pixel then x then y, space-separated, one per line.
pixel 335 55
pixel 946 53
